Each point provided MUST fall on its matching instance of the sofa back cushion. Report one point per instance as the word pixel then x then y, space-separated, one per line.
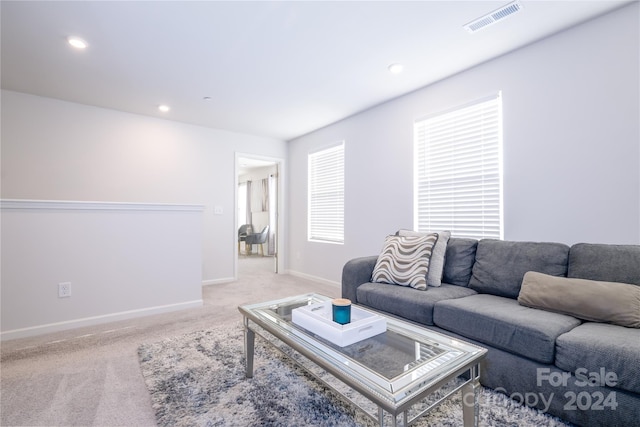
pixel 500 265
pixel 458 261
pixel 611 263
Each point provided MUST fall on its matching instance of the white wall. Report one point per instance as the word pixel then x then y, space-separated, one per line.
pixel 571 147
pixel 122 261
pixel 55 150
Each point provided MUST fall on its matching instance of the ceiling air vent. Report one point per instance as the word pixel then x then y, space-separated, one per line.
pixel 493 17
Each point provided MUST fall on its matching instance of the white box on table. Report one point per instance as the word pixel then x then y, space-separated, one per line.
pixel 318 318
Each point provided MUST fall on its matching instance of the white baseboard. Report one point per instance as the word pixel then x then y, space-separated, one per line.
pixel 218 281
pixel 96 320
pixel 314 278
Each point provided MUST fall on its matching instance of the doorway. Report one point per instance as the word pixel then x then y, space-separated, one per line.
pixel 258 202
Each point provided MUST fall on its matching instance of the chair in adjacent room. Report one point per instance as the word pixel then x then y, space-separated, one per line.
pixel 244 231
pixel 258 239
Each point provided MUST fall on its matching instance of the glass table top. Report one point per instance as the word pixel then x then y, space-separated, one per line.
pixel 395 364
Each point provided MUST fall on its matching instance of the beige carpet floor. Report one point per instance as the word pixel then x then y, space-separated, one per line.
pixel 91 377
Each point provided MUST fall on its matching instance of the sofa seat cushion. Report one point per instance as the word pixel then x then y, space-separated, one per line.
pixel 503 323
pixel 594 346
pixel 409 303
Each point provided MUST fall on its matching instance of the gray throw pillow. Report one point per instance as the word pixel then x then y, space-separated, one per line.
pixel 405 261
pixel 436 264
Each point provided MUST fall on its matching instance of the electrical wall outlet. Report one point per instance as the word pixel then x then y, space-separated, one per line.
pixel 64 290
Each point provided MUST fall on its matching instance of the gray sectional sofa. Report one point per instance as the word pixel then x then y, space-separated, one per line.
pixel 585 372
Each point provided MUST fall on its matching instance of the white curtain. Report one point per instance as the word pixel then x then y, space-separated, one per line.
pixel 264 200
pixel 256 197
pixel 271 206
pixel 249 218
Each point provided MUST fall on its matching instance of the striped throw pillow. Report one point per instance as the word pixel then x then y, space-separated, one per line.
pixel 405 261
pixel 436 263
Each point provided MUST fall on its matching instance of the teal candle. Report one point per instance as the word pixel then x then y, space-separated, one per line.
pixel 341 310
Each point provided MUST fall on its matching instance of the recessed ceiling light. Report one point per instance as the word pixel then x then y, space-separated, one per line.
pixel 395 68
pixel 163 108
pixel 77 42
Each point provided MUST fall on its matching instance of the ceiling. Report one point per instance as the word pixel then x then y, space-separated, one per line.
pixel 270 68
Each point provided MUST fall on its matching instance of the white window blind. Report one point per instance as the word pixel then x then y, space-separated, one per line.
pixel 458 171
pixel 326 195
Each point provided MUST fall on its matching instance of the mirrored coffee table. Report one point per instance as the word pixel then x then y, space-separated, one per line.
pixel 397 370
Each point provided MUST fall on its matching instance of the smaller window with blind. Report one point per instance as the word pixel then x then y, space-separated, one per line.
pixel 326 194
pixel 458 170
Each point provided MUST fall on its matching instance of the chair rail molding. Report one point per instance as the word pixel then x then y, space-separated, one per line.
pixel 92 205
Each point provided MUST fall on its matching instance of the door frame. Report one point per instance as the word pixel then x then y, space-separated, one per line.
pixel 280 214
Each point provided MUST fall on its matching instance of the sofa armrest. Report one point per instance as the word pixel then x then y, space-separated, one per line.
pixel 356 272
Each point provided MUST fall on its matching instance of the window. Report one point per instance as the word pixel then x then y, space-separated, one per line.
pixel 326 195
pixel 458 171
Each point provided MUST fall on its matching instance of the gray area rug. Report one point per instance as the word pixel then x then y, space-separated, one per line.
pixel 198 379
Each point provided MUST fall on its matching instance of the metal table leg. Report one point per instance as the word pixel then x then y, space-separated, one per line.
pixel 249 340
pixel 470 404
